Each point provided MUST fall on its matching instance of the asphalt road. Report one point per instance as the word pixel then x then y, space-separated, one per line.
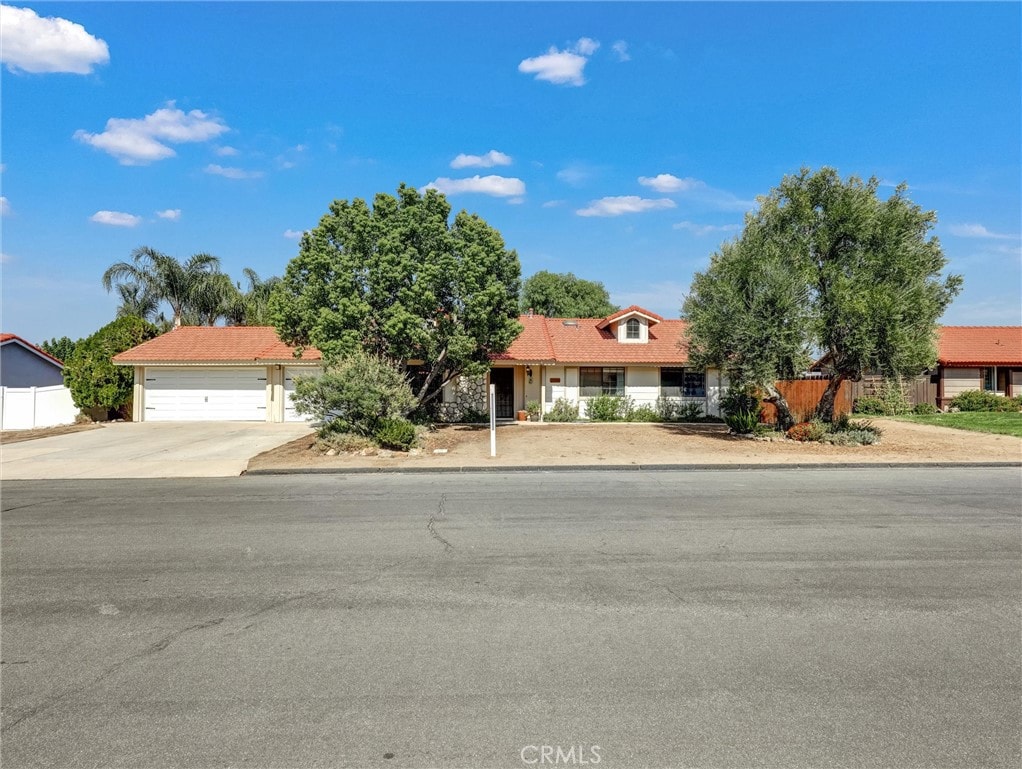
pixel 824 618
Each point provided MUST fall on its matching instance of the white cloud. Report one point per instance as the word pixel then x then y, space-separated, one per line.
pixel 31 43
pixel 489 160
pixel 554 203
pixel 669 183
pixel 697 192
pixel 5 258
pixel 5 206
pixel 170 214
pixel 293 234
pixel 564 67
pixel 139 141
pixel 620 48
pixel 498 186
pixel 706 229
pixel 624 204
pixel 227 152
pixel 116 219
pixel 977 231
pixel 576 175
pixel 232 173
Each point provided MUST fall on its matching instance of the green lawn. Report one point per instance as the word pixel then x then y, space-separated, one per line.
pixel 1005 423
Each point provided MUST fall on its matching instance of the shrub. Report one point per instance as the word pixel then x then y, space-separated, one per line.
pixel 563 410
pixel 690 412
pixel 355 394
pixel 89 373
pixel 395 433
pixel 667 409
pixel 532 408
pixel 742 422
pixel 607 408
pixel 346 442
pixel 807 431
pixel 470 415
pixel 737 400
pixel 868 405
pixel 924 408
pixel 643 413
pixel 982 400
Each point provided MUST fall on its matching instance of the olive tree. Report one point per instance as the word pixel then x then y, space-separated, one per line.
pixel 824 266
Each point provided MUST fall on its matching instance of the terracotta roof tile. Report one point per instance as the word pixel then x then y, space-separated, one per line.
pixel 571 340
pixel 4 338
pixel 225 344
pixel 980 346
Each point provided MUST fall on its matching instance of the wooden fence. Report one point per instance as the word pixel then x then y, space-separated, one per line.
pixel 803 395
pixel 918 390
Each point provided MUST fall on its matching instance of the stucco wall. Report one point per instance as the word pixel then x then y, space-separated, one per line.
pixel 22 368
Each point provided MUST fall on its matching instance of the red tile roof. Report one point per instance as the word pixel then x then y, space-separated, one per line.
pixel 570 340
pixel 5 338
pixel 980 346
pixel 222 344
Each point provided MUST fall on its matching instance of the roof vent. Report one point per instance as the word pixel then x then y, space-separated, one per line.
pixel 570 322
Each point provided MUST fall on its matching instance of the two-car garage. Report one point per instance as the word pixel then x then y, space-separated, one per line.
pixel 175 394
pixel 227 373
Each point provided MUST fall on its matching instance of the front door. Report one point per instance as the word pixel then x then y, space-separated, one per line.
pixel 503 380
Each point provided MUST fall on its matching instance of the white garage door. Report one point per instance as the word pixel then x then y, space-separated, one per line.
pixel 205 394
pixel 291 414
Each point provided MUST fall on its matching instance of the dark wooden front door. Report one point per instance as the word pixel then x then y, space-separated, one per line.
pixel 503 380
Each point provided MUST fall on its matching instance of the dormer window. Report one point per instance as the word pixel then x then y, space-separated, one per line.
pixel 632 330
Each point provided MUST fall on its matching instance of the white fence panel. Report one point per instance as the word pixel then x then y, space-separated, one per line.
pixel 23 408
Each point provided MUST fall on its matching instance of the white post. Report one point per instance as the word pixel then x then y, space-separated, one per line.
pixel 493 420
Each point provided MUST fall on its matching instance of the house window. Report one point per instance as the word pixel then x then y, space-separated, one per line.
pixel 632 329
pixel 601 381
pixel 682 383
pixel 988 379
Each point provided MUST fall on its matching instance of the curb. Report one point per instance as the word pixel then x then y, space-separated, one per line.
pixel 620 468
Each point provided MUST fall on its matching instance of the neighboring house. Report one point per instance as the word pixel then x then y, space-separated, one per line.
pixel 198 373
pixel 978 358
pixel 32 392
pixel 22 364
pixel 633 353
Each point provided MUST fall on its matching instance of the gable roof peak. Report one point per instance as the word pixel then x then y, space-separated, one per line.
pixel 630 311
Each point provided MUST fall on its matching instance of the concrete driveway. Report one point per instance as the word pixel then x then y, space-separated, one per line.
pixel 147 450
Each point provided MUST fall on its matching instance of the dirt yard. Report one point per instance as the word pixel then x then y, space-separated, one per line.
pixel 650 444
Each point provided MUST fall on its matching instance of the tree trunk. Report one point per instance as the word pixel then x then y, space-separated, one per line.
pixel 776 397
pixel 825 408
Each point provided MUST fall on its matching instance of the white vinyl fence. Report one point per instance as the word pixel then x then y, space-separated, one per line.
pixel 22 408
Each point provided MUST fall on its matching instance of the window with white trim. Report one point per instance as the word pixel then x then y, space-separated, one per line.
pixel 594 381
pixel 632 329
pixel 682 383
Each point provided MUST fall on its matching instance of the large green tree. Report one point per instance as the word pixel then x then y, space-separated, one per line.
pixel 401 281
pixel 94 381
pixel 824 266
pixel 61 348
pixel 194 289
pixel 562 295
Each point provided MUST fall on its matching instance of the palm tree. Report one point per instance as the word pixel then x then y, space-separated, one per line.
pixel 185 287
pixel 256 301
pixel 216 297
pixel 137 302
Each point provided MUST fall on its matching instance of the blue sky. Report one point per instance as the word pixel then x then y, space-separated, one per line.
pixel 622 142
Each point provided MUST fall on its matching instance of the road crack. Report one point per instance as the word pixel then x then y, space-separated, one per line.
pixel 434 519
pixel 154 648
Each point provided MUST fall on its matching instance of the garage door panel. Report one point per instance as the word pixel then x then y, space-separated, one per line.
pixel 292 414
pixel 232 394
